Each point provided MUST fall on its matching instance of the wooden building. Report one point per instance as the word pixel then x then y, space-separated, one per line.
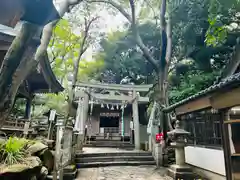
pixel 212 117
pixel 115 112
pixel 41 80
pixel 110 119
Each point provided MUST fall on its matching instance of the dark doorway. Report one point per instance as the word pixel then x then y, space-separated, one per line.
pixel 109 122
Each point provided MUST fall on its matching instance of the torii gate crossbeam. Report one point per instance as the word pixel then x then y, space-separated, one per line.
pixel 134 98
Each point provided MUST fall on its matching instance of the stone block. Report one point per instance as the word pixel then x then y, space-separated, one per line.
pixel 158 156
pixel 181 172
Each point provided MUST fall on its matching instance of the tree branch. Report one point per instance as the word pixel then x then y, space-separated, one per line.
pixel 138 38
pixel 83 48
pixel 22 73
pixel 115 5
pixel 131 18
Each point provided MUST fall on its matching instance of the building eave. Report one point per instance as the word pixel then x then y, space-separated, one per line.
pixel 49 76
pixel 7 35
pixel 225 85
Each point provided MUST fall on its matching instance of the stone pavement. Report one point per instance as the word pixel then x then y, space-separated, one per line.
pixel 120 172
pixel 123 173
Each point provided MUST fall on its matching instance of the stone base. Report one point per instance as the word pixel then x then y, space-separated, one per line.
pixel 181 172
pixel 69 173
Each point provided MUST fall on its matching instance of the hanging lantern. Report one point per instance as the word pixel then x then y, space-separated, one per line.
pixel 107 106
pixel 102 106
pixel 117 107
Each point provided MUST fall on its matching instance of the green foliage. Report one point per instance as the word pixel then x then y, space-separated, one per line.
pixel 221 14
pixel 14 150
pixel 191 83
pixel 89 70
pixel 216 34
pixel 57 102
pixel 63 49
pixel 123 58
pixel 19 108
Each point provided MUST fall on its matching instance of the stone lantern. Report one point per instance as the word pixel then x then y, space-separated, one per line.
pixel 179 170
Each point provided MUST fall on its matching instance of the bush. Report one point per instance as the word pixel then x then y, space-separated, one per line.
pixel 14 150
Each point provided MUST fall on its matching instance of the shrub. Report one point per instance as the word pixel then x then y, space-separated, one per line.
pixel 14 150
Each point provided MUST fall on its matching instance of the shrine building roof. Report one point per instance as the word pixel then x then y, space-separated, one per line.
pixel 42 80
pixel 224 85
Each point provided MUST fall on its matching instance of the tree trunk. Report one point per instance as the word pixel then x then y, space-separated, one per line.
pixel 166 71
pixel 14 56
pixel 10 64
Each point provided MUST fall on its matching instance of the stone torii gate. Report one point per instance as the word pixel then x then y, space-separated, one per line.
pixel 108 93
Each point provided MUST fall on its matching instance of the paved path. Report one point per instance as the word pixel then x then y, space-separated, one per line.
pixel 123 173
pixel 120 172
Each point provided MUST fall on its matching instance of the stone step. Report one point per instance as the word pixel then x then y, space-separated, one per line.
pixel 110 140
pixel 129 147
pixel 107 154
pixel 110 143
pixel 115 163
pixel 114 159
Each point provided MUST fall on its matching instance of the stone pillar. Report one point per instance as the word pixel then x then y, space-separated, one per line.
pixel 158 154
pixel 150 128
pixel 150 143
pixel 179 170
pixel 57 155
pixel 179 153
pixel 136 121
pixel 81 117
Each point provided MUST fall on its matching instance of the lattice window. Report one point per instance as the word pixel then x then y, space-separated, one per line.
pixel 204 127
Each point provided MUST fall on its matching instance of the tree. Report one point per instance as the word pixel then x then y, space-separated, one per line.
pixel 161 64
pixel 66 50
pixel 208 38
pixel 14 67
pixel 224 27
pixel 124 58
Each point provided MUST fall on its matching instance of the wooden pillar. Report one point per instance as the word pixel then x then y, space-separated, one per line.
pixel 27 116
pixel 28 108
pixel 136 121
pixel 225 142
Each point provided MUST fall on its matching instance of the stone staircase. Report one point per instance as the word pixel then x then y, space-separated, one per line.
pixel 87 160
pixel 111 144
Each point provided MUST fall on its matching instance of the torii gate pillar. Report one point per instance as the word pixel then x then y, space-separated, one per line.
pixel 81 117
pixel 136 121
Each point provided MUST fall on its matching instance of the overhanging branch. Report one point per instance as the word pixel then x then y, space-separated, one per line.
pixel 131 18
pixel 115 5
pixel 138 38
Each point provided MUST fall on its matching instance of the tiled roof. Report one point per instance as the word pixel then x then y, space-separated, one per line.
pixel 227 83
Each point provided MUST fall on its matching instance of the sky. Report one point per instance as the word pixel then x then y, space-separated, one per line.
pixel 107 23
